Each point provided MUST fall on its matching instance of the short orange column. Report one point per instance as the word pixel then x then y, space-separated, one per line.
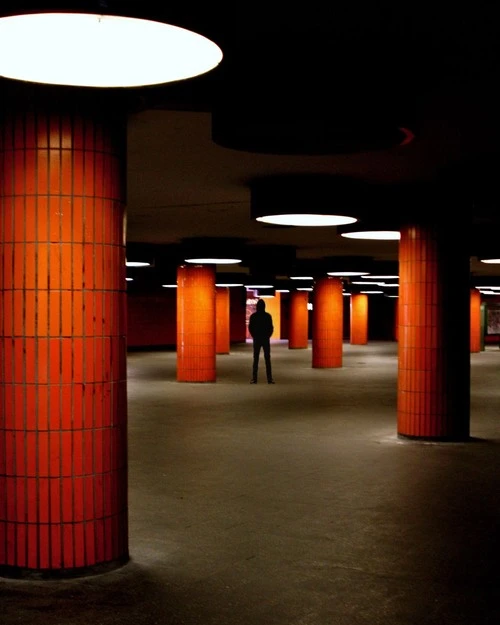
pixel 298 330
pixel 327 323
pixel 434 330
pixel 63 397
pixel 222 338
pixel 475 321
pixel 196 358
pixel 359 319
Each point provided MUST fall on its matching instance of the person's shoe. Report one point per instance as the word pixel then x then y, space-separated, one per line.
pixel 271 382
pixel 253 381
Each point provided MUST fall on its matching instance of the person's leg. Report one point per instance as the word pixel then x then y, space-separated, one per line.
pixel 255 364
pixel 267 358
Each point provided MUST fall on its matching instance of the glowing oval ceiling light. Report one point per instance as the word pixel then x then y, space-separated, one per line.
pixel 346 273
pixel 306 219
pixel 92 50
pixel 376 235
pixel 491 261
pixel 136 263
pixel 214 261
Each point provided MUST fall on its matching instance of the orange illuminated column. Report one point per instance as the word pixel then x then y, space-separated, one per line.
pixel 475 321
pixel 434 331
pixel 327 323
pixel 222 339
pixel 359 319
pixel 273 307
pixel 63 397
pixel 298 330
pixel 196 358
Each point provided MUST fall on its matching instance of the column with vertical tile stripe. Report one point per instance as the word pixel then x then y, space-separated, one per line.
pixel 434 330
pixel 327 323
pixel 63 483
pixel 196 358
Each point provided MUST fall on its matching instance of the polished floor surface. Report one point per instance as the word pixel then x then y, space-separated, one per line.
pixel 293 503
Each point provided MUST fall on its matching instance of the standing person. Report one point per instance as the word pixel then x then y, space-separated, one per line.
pixel 260 326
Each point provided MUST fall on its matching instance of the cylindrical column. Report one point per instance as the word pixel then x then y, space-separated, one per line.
pixel 298 329
pixel 196 358
pixel 359 319
pixel 222 338
pixel 63 398
pixel 475 321
pixel 327 323
pixel 434 330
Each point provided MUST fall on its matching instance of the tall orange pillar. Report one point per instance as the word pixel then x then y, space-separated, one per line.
pixel 222 338
pixel 327 323
pixel 434 331
pixel 63 397
pixel 475 321
pixel 196 358
pixel 359 319
pixel 298 330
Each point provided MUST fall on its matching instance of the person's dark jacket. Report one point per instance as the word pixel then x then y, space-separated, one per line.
pixel 260 324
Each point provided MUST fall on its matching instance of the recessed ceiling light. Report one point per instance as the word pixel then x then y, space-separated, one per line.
pixel 213 261
pixel 346 273
pixel 306 219
pixel 95 50
pixel 136 263
pixel 376 235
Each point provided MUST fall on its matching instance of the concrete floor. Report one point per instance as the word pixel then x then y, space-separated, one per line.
pixel 293 504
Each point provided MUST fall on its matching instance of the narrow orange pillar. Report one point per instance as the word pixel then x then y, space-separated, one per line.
pixel 63 398
pixel 434 330
pixel 298 330
pixel 327 323
pixel 475 321
pixel 222 338
pixel 196 358
pixel 359 319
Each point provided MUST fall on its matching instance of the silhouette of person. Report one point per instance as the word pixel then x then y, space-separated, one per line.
pixel 260 326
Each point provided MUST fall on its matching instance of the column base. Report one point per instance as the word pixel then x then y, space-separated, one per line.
pixel 435 439
pixel 16 572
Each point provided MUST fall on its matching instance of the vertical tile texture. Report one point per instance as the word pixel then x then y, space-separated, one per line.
pixel 222 338
pixel 298 329
pixel 196 356
pixel 475 321
pixel 63 405
pixel 434 330
pixel 359 318
pixel 327 323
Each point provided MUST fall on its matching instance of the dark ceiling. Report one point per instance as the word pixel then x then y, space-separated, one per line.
pixel 334 91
